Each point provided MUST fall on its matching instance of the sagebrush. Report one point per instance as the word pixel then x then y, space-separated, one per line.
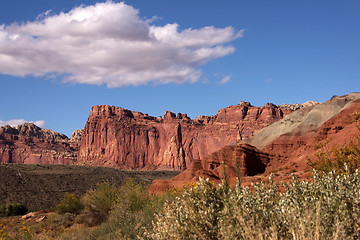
pixel 326 208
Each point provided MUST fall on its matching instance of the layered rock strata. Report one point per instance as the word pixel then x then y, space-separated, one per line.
pixel 286 146
pixel 120 138
pixel 27 143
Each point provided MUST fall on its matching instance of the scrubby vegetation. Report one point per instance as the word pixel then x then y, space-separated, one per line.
pixel 12 209
pixel 326 208
pixel 70 204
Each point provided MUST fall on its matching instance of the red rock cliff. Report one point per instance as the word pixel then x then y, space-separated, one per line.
pixel 116 137
pixel 28 143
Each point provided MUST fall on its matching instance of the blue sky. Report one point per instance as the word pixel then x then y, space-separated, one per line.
pixel 185 56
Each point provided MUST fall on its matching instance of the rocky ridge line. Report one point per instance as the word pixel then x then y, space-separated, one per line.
pixel 286 145
pixel 120 138
pixel 28 143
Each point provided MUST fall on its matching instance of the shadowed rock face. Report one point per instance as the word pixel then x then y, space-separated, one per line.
pixel 27 143
pixel 237 160
pixel 116 137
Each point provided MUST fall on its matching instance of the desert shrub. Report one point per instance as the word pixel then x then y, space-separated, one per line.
pixel 326 208
pixel 131 215
pixel 193 215
pixel 246 209
pixel 130 211
pixel 337 157
pixel 101 200
pixel 3 210
pixel 13 209
pixel 70 204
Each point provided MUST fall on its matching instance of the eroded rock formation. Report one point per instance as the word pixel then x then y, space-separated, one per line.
pixel 285 146
pixel 27 143
pixel 120 138
pixel 237 160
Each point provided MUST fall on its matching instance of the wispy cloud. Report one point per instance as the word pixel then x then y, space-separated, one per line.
pixel 16 122
pixel 225 80
pixel 108 43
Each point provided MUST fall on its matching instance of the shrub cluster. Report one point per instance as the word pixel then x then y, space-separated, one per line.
pixel 70 204
pixel 113 212
pixel 132 213
pixel 13 209
pixel 327 208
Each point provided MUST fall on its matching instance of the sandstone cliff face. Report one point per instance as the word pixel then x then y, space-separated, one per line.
pixel 116 137
pixel 285 145
pixel 238 160
pixel 27 143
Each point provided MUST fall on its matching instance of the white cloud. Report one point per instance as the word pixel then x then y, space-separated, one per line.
pixel 16 122
pixel 225 80
pixel 108 43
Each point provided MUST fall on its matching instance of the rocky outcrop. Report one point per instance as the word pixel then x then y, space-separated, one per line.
pixel 292 150
pixel 305 120
pixel 76 136
pixel 285 145
pixel 237 160
pixel 297 106
pixel 27 143
pixel 120 138
pixel 32 131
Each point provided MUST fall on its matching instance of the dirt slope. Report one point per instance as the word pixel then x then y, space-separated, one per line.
pixel 302 121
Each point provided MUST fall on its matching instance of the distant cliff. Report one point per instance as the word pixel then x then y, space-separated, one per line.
pixel 120 138
pixel 27 143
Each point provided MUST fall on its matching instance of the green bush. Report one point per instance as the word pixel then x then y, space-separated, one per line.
pixel 101 200
pixel 13 209
pixel 3 210
pixel 133 212
pixel 70 204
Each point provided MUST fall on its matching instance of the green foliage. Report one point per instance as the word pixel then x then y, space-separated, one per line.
pixel 13 209
pixel 336 158
pixel 70 204
pixel 3 210
pixel 101 200
pixel 133 212
pixel 327 208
